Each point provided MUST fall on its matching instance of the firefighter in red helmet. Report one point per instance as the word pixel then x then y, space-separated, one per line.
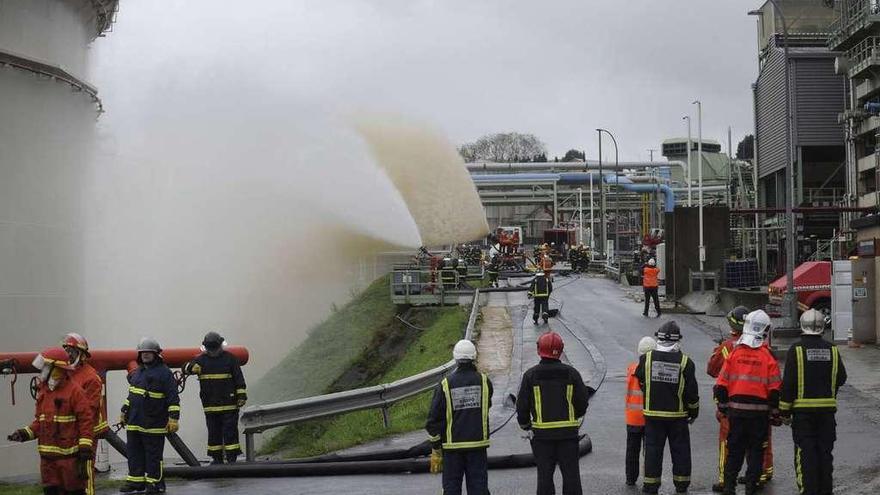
pixel 551 403
pixel 63 427
pixel 87 378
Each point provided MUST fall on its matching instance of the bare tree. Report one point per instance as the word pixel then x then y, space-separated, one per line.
pixel 504 147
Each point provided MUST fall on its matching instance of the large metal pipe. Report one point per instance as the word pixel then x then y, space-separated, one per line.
pixel 805 209
pixel 113 360
pixel 568 166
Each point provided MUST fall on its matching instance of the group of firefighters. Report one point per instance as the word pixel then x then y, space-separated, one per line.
pixel 579 257
pixel 751 396
pixel 69 414
pixel 550 406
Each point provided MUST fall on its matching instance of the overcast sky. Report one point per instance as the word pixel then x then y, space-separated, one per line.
pixel 557 69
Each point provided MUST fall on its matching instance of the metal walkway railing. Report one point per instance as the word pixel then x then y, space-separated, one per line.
pixel 257 419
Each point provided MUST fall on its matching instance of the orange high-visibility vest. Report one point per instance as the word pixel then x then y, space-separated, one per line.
pixel 634 398
pixel 649 277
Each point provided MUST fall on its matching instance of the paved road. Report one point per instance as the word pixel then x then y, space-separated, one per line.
pixel 597 316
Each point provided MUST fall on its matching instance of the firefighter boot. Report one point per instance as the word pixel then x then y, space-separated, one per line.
pixel 231 457
pixel 131 487
pixel 216 459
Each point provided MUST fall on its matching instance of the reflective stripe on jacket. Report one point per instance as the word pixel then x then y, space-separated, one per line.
pixel 552 397
pixel 814 372
pixel 541 287
pixel 221 382
pixel 152 399
pixel 634 398
pixel 749 381
pixel 86 378
pixel 63 420
pixel 719 355
pixel 669 382
pixel 459 413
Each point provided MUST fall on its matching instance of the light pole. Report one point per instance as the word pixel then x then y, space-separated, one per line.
pixel 580 215
pixel 603 234
pixel 690 146
pixel 616 192
pixel 789 300
pixel 592 237
pixel 700 177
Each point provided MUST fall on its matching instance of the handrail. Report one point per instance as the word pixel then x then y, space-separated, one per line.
pixel 257 419
pixel 33 65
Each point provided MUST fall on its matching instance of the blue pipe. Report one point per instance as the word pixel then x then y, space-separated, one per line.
pixel 580 178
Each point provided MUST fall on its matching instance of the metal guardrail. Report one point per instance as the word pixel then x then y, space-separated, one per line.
pixel 612 270
pixel 257 419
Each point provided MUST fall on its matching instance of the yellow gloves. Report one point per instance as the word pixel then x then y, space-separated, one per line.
pixel 172 426
pixel 241 402
pixel 122 419
pixel 436 463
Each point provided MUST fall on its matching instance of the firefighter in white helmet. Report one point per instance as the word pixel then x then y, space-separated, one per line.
pixel 814 372
pixel 458 424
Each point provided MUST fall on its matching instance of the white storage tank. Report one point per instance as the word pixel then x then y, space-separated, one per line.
pixel 48 113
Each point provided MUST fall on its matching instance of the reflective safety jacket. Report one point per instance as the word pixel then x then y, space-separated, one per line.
pixel 541 287
pixel 152 399
pixel 719 355
pixel 669 383
pixel 86 378
pixel 221 382
pixel 634 398
pixel 749 382
pixel 492 269
pixel 459 414
pixel 814 372
pixel 448 275
pixel 552 397
pixel 649 277
pixel 63 421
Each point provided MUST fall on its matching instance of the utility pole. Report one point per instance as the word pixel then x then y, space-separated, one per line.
pixel 700 178
pixel 616 190
pixel 602 220
pixel 654 180
pixel 690 147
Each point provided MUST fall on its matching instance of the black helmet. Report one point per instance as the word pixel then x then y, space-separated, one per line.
pixel 669 332
pixel 148 344
pixel 737 318
pixel 212 341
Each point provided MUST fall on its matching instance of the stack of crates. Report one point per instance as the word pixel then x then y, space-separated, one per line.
pixel 741 273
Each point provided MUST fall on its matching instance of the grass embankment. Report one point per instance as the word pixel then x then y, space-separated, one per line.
pixel 396 351
pixel 329 349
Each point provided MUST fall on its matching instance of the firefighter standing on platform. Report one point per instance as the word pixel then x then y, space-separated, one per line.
pixel 635 420
pixel 747 392
pixel 63 427
pixel 649 285
pixel 672 400
pixel 814 373
pixel 540 291
pixel 223 393
pixel 448 275
pixel 552 398
pixel 85 376
pixel 151 410
pixel 458 425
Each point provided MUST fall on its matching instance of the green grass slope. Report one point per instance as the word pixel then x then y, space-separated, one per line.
pixel 329 349
pixel 431 348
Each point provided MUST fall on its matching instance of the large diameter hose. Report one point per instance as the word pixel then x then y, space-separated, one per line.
pixel 283 470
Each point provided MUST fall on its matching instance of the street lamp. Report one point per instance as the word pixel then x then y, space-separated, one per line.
pixel 789 300
pixel 702 248
pixel 616 184
pixel 688 118
pixel 603 234
pixel 580 215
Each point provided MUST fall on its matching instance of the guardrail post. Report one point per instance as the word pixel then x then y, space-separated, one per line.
pixel 249 453
pixel 386 417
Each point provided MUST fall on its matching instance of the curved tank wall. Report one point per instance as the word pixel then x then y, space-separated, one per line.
pixel 45 144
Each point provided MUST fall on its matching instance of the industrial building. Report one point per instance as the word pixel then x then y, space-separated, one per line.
pixel 816 95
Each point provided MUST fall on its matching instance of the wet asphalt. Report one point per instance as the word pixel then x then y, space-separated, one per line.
pixel 601 326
